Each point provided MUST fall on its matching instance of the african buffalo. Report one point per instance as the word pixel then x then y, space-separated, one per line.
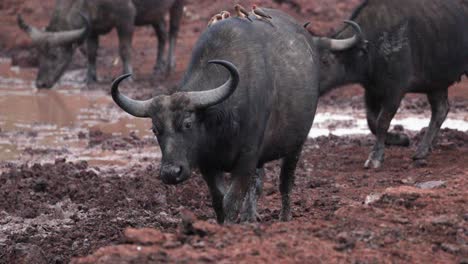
pixel 413 46
pixel 263 112
pixel 67 30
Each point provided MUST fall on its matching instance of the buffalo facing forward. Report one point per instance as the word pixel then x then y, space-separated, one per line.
pixel 263 112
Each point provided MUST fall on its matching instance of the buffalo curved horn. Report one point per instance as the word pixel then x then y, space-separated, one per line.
pixel 133 107
pixel 204 99
pixel 53 38
pixel 343 44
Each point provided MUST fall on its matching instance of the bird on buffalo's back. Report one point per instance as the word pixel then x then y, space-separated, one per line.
pixel 241 12
pixel 260 13
pixel 215 19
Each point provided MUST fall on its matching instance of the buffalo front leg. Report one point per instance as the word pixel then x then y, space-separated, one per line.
pixel 373 107
pixel 242 179
pixel 92 43
pixel 387 112
pixel 177 11
pixel 125 33
pixel 288 169
pixel 215 182
pixel 440 108
pixel 161 33
pixel 249 208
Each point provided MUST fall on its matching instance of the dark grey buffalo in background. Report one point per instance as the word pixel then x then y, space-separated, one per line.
pixel 66 30
pixel 416 46
pixel 262 113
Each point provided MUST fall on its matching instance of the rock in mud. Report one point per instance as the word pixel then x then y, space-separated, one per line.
pixel 446 220
pixel 345 242
pixel 430 185
pixel 403 195
pixel 371 198
pixel 450 248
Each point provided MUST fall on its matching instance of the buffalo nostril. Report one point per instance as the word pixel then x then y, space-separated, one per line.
pixel 172 170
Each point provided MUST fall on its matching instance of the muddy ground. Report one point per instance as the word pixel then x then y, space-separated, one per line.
pixel 79 178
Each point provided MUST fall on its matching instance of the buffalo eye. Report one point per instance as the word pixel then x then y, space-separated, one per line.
pixel 155 130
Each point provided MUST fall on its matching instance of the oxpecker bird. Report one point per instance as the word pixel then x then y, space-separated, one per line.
pixel 259 13
pixel 225 14
pixel 215 19
pixel 241 12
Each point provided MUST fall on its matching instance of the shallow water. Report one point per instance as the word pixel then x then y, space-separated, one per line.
pixel 348 122
pixel 52 119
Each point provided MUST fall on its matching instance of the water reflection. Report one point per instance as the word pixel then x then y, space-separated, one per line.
pixel 53 119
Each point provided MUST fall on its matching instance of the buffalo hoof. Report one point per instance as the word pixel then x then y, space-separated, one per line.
pixel 285 216
pixel 420 163
pixel 91 79
pixel 372 164
pixel 420 155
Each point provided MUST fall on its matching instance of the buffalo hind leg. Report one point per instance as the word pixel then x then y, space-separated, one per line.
pixel 387 112
pixel 92 43
pixel 373 107
pixel 440 108
pixel 249 208
pixel 215 182
pixel 288 169
pixel 161 33
pixel 177 12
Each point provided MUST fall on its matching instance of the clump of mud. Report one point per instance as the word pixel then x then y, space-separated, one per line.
pixel 69 209
pixel 108 141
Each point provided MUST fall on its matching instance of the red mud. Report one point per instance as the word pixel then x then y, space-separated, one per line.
pixel 56 212
pixel 71 209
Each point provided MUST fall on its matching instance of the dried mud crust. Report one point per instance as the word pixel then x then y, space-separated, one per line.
pixel 64 210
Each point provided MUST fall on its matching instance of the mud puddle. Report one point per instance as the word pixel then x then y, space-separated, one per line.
pixel 67 122
pixel 58 123
pixel 348 122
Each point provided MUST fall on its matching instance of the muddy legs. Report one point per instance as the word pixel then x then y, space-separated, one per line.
pixel 215 182
pixel 286 183
pixel 381 112
pixel 92 46
pixel 177 12
pixel 249 207
pixel 216 185
pixel 240 201
pixel 373 107
pixel 125 33
pixel 161 33
pixel 388 109
pixel 440 108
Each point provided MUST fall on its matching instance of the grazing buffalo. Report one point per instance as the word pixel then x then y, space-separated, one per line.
pixel 67 30
pixel 261 111
pixel 414 46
